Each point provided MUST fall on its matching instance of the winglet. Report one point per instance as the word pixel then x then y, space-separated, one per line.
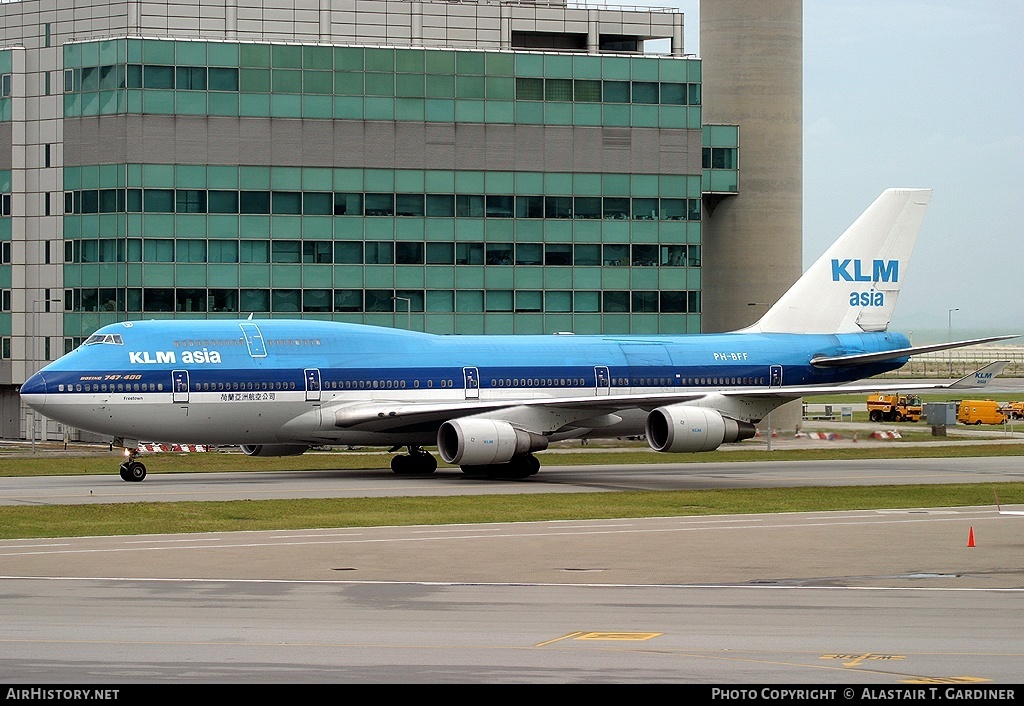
pixel 981 377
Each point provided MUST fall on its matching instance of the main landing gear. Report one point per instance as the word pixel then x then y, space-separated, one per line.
pixel 416 463
pixel 518 468
pixel 132 470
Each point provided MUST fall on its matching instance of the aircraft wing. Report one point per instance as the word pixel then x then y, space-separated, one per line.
pixel 600 409
pixel 857 358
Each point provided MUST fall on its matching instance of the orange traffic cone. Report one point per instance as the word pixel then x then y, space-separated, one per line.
pixel 970 538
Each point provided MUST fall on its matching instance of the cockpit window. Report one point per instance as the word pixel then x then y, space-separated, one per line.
pixel 112 338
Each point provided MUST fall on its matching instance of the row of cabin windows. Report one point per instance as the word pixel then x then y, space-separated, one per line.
pixel 400 384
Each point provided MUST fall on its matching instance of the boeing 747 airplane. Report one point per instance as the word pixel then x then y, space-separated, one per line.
pixel 280 387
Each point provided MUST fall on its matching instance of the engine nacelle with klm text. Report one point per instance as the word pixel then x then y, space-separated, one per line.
pixel 274 449
pixel 482 442
pixel 683 428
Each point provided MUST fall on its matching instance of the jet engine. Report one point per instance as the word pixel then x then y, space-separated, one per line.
pixel 480 442
pixel 274 450
pixel 681 428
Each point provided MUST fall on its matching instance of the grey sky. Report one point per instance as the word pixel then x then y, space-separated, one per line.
pixel 920 94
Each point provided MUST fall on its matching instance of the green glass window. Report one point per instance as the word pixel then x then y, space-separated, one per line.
pixel 645 92
pixel 254 201
pixel 673 209
pixel 157 299
pixel 587 255
pixel 587 207
pixel 558 89
pixel 223 79
pixel 529 254
pixel 286 299
pixel 529 89
pixel 440 86
pixel 529 206
pixel 190 78
pixel 222 201
pixel 223 300
pixel 469 253
pixel 499 206
pixel 499 253
pixel 348 252
pixel 380 205
pixel 152 77
pixel 348 300
pixel 673 256
pixel 286 202
pixel 156 250
pixel 348 204
pixel 317 203
pixel 379 252
pixel 499 299
pixel 381 300
pixel 587 91
pixel 254 251
pixel 645 255
pixel 409 205
pixel 558 207
pixel 673 302
pixel 440 205
pixel 222 251
pixel 615 302
pixel 556 254
pixel 440 254
pixel 558 301
pixel 318 251
pixel 190 250
pixel 469 205
pixel 408 253
pixel 616 254
pixel 529 300
pixel 254 300
pixel 190 201
pixel 316 300
pixel 285 251
pixel 645 209
pixel 156 200
pixel 616 91
pixel 645 301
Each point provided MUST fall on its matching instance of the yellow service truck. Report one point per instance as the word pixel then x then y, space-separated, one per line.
pixel 884 407
pixel 980 412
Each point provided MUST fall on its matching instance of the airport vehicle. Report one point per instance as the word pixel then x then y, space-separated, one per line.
pixel 892 407
pixel 489 402
pixel 980 412
pixel 1013 410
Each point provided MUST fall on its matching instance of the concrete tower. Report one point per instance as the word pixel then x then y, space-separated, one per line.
pixel 752 54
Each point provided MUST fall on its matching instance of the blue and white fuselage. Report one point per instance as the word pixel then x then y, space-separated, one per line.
pixel 290 381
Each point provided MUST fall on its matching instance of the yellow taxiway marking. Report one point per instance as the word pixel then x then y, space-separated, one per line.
pixel 855 660
pixel 620 636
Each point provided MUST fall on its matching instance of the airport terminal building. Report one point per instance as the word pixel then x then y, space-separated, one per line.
pixel 450 167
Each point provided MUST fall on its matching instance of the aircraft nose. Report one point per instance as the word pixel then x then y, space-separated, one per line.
pixel 34 388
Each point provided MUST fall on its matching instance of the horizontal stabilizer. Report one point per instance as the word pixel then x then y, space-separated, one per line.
pixel 980 378
pixel 861 358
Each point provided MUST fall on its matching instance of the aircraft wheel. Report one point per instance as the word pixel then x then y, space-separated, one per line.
pixel 124 474
pixel 475 471
pixel 136 472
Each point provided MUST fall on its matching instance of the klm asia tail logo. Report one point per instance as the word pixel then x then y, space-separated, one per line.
pixel 858 271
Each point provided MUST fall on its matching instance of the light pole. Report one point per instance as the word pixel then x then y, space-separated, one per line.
pixel 949 336
pixel 767 417
pixel 408 310
pixel 34 345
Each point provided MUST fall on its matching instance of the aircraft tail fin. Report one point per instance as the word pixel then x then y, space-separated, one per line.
pixel 853 286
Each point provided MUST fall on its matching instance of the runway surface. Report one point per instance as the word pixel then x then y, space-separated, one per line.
pixel 868 597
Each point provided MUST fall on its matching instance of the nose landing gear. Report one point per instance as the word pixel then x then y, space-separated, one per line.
pixel 132 470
